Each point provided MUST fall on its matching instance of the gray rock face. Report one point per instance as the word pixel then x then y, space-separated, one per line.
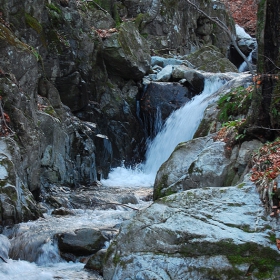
pixel 175 26
pixel 53 54
pixel 83 241
pixel 203 163
pixel 159 100
pixel 195 234
pixel 210 59
pixel 194 164
pixel 5 245
pixel 95 262
pixel 59 52
pixel 126 53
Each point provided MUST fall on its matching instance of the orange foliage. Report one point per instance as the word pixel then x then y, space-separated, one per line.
pixel 266 162
pixel 4 121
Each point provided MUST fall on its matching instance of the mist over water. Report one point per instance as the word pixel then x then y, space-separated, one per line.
pixel 179 127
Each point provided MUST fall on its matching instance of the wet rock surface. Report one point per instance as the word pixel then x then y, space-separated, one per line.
pixel 194 234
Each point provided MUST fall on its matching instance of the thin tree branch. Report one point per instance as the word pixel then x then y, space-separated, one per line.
pixel 224 28
pixel 118 204
pixel 278 68
pixel 3 260
pixel 267 128
pixel 100 8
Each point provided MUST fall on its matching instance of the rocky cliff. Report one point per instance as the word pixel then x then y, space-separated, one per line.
pixel 78 94
pixel 70 76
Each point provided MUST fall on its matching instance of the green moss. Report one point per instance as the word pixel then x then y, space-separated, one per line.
pixel 10 38
pixel 11 192
pixel 110 85
pixel 272 238
pixel 161 185
pixel 33 23
pixel 50 110
pixel 229 177
pixel 234 103
pixel 55 15
pixel 139 21
pixel 109 251
pixel 169 191
pixel 179 146
pixel 116 15
pixel 104 4
pixel 124 42
pixel 54 8
pixel 240 186
pixel 264 259
pixel 116 259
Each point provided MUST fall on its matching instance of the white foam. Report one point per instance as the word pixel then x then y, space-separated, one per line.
pixel 179 127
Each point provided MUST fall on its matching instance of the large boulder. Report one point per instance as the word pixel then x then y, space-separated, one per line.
pixel 192 79
pixel 203 162
pixel 209 233
pixel 210 59
pixel 82 241
pixel 126 53
pixel 196 163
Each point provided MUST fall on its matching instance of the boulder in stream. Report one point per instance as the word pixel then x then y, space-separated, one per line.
pixel 209 233
pixel 83 241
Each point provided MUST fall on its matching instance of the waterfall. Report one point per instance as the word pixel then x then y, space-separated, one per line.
pixel 244 67
pixel 179 127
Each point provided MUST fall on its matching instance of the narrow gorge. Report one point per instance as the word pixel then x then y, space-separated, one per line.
pixel 134 142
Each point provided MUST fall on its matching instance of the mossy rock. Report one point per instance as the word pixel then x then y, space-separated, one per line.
pixel 210 59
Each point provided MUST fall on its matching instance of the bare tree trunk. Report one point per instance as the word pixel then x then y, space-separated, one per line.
pixel 264 118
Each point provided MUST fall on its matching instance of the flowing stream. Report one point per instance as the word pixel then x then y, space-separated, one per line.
pixel 33 242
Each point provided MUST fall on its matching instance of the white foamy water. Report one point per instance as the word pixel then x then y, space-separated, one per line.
pixel 179 127
pixel 36 237
pixel 23 270
pixel 34 240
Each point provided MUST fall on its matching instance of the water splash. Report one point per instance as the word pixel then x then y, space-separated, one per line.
pixel 179 127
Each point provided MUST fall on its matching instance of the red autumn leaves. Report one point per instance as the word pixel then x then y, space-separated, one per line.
pixel 4 121
pixel 266 162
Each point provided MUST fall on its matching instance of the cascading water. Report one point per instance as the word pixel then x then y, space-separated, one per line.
pixel 33 241
pixel 179 127
pixel 244 67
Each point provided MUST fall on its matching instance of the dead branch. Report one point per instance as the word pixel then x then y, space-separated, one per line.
pixel 224 28
pixel 118 204
pixel 3 259
pixel 98 6
pixel 262 127
pixel 278 68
